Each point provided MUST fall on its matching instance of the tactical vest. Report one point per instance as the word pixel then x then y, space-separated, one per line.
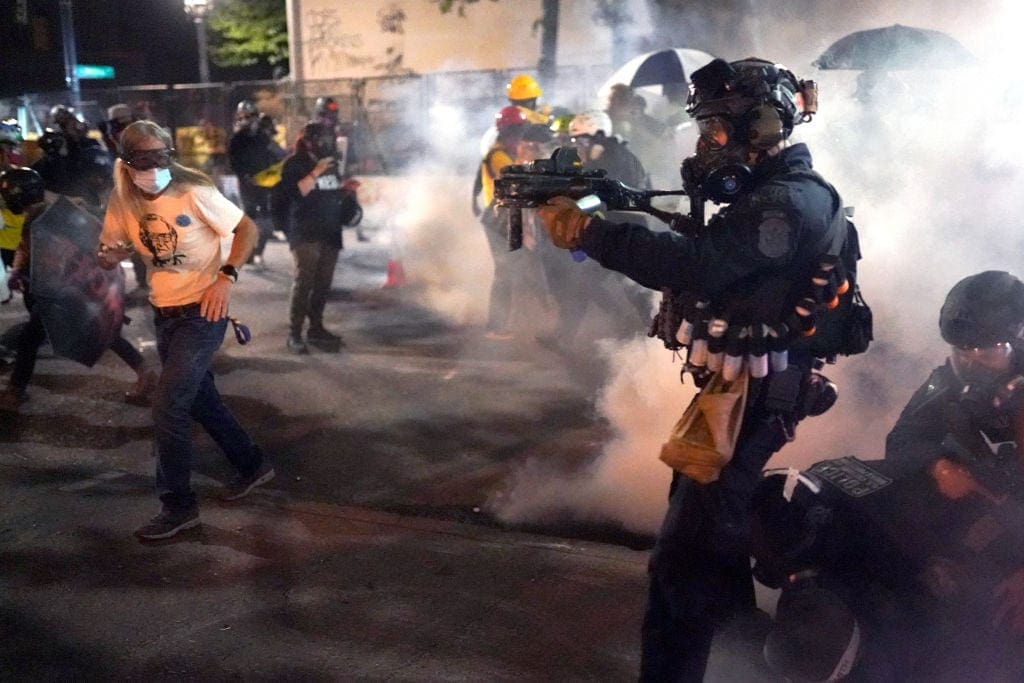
pixel 816 312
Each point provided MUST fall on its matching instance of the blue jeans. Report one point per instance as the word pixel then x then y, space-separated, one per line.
pixel 186 392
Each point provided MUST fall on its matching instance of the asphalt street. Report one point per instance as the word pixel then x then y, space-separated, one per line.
pixel 371 556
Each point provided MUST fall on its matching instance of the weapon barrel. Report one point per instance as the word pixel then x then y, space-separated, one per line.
pixel 515 228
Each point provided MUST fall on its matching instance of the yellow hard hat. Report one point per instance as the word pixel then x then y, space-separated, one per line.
pixel 523 87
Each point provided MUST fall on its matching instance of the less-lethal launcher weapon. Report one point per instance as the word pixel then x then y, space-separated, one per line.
pixel 527 186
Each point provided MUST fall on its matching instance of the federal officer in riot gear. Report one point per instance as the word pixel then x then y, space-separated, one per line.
pixel 974 401
pixel 911 568
pixel 750 270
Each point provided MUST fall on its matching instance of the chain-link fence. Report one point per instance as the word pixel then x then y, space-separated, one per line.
pixel 391 121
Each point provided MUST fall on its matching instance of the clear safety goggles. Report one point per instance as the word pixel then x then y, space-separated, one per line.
pixel 995 357
pixel 715 131
pixel 146 159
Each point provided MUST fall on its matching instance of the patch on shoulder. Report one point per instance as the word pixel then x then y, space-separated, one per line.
pixel 772 195
pixel 773 235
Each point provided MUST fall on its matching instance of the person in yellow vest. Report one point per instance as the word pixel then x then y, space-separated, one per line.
pixel 511 123
pixel 524 91
pixel 10 157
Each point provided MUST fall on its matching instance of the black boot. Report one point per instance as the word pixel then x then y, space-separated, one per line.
pixel 324 340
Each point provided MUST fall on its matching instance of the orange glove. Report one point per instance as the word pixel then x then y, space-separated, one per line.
pixel 564 221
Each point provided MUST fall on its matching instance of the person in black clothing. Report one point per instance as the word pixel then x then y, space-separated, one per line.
pixel 62 163
pixel 746 274
pixel 22 190
pixel 911 568
pixel 315 204
pixel 971 398
pixel 251 150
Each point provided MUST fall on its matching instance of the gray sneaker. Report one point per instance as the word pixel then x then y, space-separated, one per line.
pixel 296 345
pixel 168 524
pixel 240 486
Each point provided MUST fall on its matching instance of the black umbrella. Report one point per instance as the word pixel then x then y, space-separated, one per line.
pixel 669 68
pixel 893 48
pixel 81 304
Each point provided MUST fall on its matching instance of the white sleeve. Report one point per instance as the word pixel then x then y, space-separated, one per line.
pixel 216 210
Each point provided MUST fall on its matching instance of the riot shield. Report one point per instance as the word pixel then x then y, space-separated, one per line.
pixel 81 303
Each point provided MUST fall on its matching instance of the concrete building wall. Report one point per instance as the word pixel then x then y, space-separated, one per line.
pixel 332 39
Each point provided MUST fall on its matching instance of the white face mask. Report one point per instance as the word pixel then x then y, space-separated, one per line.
pixel 153 181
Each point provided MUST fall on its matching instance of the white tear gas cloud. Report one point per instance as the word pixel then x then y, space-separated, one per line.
pixel 933 165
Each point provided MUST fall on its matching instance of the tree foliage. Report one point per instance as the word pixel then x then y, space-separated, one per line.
pixel 247 32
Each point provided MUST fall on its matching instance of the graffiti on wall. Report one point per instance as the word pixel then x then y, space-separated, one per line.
pixel 333 49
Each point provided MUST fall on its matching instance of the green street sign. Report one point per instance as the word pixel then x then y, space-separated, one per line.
pixel 94 71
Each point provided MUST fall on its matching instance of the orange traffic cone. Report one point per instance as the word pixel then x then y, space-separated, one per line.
pixel 396 274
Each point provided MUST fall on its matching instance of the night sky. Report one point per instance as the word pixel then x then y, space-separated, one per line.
pixel 147 41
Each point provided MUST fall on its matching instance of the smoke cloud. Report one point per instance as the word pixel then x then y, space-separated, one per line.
pixel 931 164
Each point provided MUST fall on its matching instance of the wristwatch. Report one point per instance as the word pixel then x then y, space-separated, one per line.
pixel 230 271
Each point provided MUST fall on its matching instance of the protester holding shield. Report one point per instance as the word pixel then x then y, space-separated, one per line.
pixel 22 191
pixel 176 218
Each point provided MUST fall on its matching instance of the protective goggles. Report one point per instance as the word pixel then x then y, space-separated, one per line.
pixel 994 357
pixel 715 131
pixel 146 159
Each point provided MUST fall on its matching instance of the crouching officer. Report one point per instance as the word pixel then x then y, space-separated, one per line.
pixel 964 427
pixel 972 407
pixel 750 269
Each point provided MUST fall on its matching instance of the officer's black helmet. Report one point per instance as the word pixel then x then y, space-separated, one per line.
pixel 20 188
pixel 325 106
pixel 982 310
pixel 246 109
pixel 736 89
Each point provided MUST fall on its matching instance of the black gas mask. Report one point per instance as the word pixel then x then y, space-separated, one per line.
pixel 719 168
pixel 743 109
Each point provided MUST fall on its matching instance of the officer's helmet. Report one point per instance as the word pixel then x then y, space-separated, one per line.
pixel 983 310
pixel 20 188
pixel 10 132
pixel 246 109
pixel 761 100
pixel 325 108
pixel 61 115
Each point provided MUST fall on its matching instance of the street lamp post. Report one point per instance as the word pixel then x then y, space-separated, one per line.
pixel 198 9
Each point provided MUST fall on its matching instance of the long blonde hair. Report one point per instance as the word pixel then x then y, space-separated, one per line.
pixel 126 195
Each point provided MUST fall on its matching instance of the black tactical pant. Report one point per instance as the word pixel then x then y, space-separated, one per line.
pixel 700 566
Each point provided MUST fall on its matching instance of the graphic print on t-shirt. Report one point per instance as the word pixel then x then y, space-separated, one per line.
pixel 161 239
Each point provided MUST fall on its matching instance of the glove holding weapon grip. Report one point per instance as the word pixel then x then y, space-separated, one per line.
pixel 528 186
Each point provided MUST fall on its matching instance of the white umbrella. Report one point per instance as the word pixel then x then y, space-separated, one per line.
pixel 656 69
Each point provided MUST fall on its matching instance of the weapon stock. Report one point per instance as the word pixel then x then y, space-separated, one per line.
pixel 527 186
